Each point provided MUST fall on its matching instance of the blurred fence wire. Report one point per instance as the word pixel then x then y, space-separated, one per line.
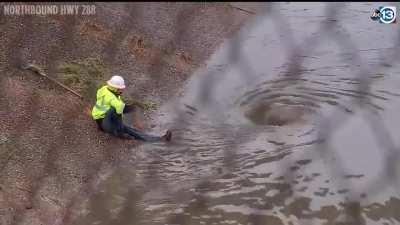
pixel 131 212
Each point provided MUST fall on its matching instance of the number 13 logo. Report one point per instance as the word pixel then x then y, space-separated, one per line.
pixel 388 14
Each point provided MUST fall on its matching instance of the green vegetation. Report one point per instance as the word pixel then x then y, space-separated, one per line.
pixel 84 76
pixel 145 105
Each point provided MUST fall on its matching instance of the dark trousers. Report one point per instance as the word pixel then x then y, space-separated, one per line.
pixel 112 123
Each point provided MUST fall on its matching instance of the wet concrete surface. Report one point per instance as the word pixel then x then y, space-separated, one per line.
pixel 247 145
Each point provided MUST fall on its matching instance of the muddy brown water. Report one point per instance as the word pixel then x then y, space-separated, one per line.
pixel 251 153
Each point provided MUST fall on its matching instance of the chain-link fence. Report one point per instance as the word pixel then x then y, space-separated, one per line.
pixel 87 203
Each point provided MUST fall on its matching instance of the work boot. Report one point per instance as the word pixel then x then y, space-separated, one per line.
pixel 167 136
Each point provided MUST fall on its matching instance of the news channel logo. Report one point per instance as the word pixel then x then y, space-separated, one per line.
pixel 385 14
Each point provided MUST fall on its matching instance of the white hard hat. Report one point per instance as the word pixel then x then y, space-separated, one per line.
pixel 116 82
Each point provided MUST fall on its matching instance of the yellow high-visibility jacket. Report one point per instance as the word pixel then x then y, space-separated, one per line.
pixel 105 100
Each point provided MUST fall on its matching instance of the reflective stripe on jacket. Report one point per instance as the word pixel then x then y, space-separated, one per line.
pixel 105 100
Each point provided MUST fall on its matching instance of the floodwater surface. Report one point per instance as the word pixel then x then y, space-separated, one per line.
pixel 258 141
